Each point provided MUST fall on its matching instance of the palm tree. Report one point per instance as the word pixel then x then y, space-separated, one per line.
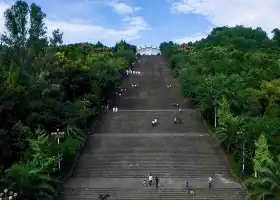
pixel 267 185
pixel 227 134
pixel 29 182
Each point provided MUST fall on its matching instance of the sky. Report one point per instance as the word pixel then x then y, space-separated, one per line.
pixel 150 22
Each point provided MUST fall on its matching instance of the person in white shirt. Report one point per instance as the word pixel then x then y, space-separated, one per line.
pixel 191 192
pixel 116 109
pixel 153 123
pixel 210 182
pixel 150 179
pixel 177 120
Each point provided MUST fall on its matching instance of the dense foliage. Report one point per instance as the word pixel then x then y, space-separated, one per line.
pixel 236 71
pixel 47 86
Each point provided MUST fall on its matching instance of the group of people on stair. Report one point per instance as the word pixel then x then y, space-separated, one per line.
pixel 135 86
pixel 177 120
pixel 149 180
pixel 129 71
pixel 190 190
pixel 104 197
pixel 155 122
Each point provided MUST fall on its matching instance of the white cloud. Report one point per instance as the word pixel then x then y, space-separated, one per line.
pixel 191 38
pixel 122 8
pixel 78 30
pixel 253 13
pixel 82 32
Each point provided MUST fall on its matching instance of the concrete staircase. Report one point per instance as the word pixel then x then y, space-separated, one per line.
pixel 126 147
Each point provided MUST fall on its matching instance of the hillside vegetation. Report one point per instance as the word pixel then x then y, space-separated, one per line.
pixel 47 86
pixel 235 71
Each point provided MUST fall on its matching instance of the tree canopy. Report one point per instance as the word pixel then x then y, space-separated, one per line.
pixel 236 70
pixel 47 86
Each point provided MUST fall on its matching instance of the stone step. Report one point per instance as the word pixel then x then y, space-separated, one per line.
pixel 157 157
pixel 141 122
pixel 198 145
pixel 126 147
pixel 219 181
pixel 140 164
pixel 138 173
pixel 116 157
pixel 186 149
pixel 177 155
pixel 148 102
pixel 152 194
pixel 151 160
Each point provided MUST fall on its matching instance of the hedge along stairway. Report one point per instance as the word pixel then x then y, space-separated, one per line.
pixel 126 147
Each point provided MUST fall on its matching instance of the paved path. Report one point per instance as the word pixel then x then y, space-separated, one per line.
pixel 125 146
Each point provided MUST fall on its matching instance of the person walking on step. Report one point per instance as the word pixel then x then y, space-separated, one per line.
pixel 104 197
pixel 156 121
pixel 177 120
pixel 191 192
pixel 188 187
pixel 145 181
pixel 153 123
pixel 150 179
pixel 180 110
pixel 210 182
pixel 157 181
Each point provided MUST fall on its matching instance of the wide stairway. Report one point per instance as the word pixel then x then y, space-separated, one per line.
pixel 126 147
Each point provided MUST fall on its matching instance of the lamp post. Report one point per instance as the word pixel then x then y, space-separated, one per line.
pixel 8 195
pixel 58 135
pixel 243 151
pixel 215 116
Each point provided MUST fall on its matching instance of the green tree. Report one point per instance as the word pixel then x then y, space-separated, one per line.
pixel 267 184
pixel 262 154
pixel 29 182
pixel 57 37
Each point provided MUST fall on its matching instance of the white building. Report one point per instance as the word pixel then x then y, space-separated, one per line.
pixel 148 50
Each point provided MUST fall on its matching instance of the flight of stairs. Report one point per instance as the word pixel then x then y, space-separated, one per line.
pixel 126 147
